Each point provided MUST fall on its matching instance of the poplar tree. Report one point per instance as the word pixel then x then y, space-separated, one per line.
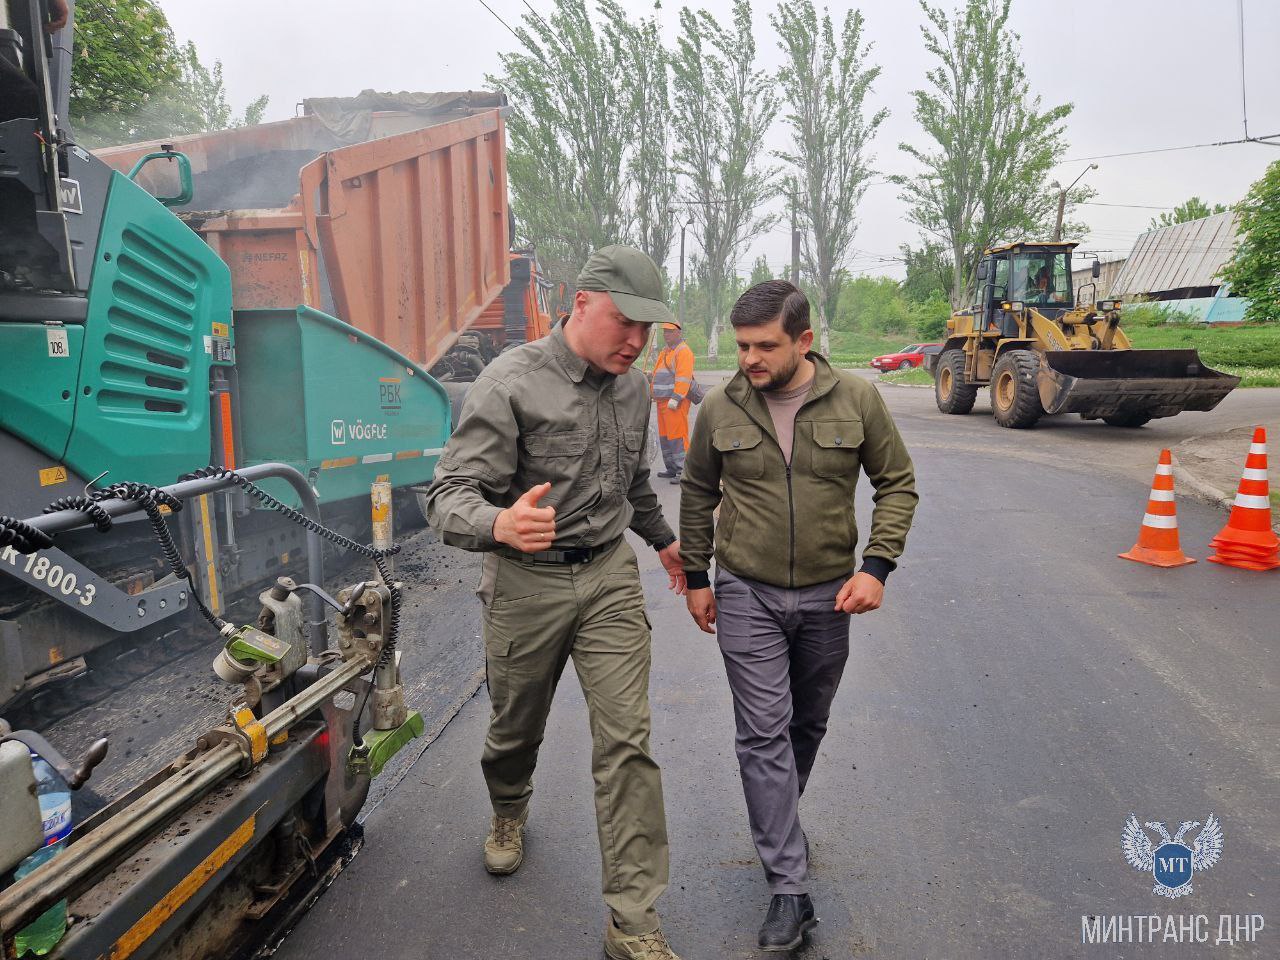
pixel 826 81
pixel 992 143
pixel 722 107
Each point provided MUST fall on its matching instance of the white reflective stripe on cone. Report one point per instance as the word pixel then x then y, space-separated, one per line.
pixel 1258 448
pixel 1164 470
pixel 1165 495
pixel 1254 473
pixel 1252 502
pixel 1154 520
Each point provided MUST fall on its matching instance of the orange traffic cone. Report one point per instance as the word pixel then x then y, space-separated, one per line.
pixel 1158 539
pixel 1247 541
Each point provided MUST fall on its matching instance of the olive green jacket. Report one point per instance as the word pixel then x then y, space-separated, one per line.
pixel 793 526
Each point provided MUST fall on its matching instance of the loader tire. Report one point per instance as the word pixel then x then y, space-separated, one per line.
pixel 950 390
pixel 1127 419
pixel 1015 397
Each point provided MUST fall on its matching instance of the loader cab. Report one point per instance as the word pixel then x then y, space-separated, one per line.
pixel 993 277
pixel 1041 278
pixel 1034 274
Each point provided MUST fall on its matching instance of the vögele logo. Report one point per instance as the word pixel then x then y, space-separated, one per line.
pixel 338 432
pixel 1172 862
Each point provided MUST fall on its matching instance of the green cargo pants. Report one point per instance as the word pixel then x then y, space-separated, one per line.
pixel 537 616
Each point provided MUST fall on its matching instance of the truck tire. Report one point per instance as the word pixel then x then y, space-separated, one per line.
pixel 1127 419
pixel 950 390
pixel 1015 397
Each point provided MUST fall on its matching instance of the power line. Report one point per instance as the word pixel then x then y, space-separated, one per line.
pixel 500 20
pixel 1190 146
pixel 1129 206
pixel 539 16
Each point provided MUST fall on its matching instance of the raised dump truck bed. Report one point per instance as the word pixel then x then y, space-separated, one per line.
pixel 356 229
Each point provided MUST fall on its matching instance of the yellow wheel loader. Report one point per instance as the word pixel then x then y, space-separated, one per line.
pixel 1044 349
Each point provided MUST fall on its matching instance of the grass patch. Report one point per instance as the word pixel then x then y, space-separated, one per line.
pixel 1253 376
pixel 1253 349
pixel 849 348
pixel 917 377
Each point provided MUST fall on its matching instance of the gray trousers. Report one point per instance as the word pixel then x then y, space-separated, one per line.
pixel 672 453
pixel 784 653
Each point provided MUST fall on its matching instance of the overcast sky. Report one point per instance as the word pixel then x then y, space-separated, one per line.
pixel 1142 74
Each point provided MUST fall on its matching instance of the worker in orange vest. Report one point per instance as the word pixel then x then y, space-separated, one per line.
pixel 671 381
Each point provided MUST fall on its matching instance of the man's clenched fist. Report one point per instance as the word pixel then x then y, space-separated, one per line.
pixel 861 593
pixel 702 607
pixel 525 525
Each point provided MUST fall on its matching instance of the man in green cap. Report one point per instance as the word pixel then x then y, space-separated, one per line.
pixel 544 474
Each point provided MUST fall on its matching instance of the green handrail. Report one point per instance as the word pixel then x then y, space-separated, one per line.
pixel 184 174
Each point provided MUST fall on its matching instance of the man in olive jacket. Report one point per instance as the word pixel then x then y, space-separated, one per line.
pixel 779 449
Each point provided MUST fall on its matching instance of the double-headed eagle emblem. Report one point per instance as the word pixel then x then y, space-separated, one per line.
pixel 1172 862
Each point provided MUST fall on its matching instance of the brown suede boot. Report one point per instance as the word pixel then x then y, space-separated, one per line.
pixel 504 847
pixel 645 946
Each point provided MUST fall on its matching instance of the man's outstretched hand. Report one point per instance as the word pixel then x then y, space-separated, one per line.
pixel 670 557
pixel 861 593
pixel 525 525
pixel 702 607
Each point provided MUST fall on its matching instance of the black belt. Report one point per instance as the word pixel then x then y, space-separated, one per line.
pixel 572 555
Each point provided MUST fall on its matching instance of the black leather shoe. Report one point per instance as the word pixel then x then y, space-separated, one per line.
pixel 667 474
pixel 789 918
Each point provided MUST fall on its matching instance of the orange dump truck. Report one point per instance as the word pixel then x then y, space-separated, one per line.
pixel 387 211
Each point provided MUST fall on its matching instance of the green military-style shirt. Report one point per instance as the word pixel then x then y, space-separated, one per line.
pixel 539 413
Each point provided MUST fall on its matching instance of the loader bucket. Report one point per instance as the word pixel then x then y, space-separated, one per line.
pixel 1106 383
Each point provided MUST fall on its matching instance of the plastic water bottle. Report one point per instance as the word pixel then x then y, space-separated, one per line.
pixel 55 810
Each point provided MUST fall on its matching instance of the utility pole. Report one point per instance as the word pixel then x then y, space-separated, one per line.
pixel 680 305
pixel 795 240
pixel 1062 207
pixel 1062 200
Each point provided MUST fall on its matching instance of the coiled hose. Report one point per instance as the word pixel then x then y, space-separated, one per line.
pixel 378 557
pixel 22 536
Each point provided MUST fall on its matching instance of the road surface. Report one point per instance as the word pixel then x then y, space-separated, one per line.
pixel 1022 692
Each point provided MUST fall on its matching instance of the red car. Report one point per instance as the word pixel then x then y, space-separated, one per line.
pixel 911 355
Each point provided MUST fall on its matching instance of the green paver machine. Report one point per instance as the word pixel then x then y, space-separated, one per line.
pixel 129 362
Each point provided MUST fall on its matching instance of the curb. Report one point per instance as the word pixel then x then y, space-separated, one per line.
pixel 1201 489
pixel 904 386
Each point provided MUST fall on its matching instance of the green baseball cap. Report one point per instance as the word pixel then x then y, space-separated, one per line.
pixel 631 279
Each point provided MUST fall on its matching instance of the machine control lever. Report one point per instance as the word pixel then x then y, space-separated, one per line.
pixel 75 777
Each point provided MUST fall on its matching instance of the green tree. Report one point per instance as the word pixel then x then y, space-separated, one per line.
pixel 651 174
pixel 983 177
pixel 930 316
pixel 929 271
pixel 1254 270
pixel 760 271
pixel 125 56
pixel 130 81
pixel 1193 209
pixel 200 99
pixel 569 132
pixel 826 82
pixel 873 305
pixel 723 107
